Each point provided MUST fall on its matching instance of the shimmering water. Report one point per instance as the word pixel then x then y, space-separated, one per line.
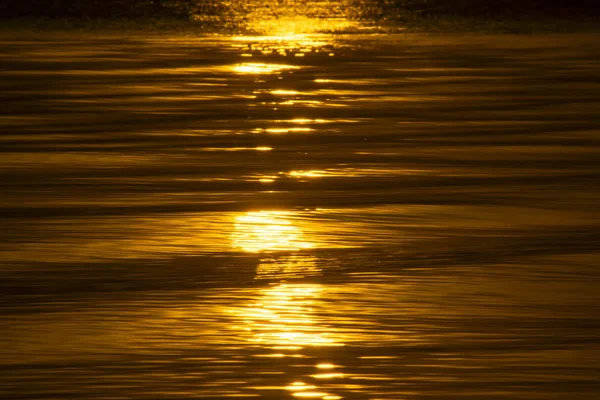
pixel 300 216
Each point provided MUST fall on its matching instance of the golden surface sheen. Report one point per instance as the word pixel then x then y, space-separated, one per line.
pixel 299 213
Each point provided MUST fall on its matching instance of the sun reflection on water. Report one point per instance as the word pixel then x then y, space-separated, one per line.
pixel 261 68
pixel 283 320
pixel 265 231
pixel 307 174
pixel 292 26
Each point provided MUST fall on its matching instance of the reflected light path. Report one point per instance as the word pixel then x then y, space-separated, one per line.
pixel 267 231
pixel 292 18
pixel 292 25
pixel 261 68
pixel 282 320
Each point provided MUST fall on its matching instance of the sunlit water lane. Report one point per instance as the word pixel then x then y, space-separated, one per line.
pixel 300 215
pixel 411 334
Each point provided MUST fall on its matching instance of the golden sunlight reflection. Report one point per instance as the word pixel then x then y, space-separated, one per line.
pixel 216 149
pixel 325 366
pixel 294 25
pixel 280 92
pixel 307 121
pixel 304 175
pixel 307 174
pixel 311 395
pixel 286 317
pixel 267 231
pixel 286 130
pixel 261 68
pixel 298 386
pixel 282 130
pixel 283 319
pixel 292 17
pixel 299 39
pixel 287 35
pixel 328 375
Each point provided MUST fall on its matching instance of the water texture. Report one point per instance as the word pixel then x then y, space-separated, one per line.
pixel 323 216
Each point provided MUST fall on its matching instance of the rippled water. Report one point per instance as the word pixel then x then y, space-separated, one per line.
pixel 300 216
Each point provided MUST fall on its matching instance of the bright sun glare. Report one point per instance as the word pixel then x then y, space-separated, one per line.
pixel 261 68
pixel 267 231
pixel 282 322
pixel 296 25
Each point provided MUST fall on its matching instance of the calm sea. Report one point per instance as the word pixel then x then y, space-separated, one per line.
pixel 351 216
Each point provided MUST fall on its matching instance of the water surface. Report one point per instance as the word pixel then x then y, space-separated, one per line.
pixel 324 216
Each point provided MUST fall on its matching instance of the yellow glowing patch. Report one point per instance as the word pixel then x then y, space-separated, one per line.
pixel 310 394
pixel 286 130
pixel 307 174
pixel 325 366
pixel 292 24
pixel 267 231
pixel 235 148
pixel 261 68
pixel 276 355
pixel 270 38
pixel 277 130
pixel 283 320
pixel 306 121
pixel 283 92
pixel 299 386
pixel 328 376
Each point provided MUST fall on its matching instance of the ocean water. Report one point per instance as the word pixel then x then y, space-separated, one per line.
pixel 327 216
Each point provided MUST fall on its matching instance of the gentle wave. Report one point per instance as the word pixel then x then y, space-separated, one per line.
pixel 319 216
